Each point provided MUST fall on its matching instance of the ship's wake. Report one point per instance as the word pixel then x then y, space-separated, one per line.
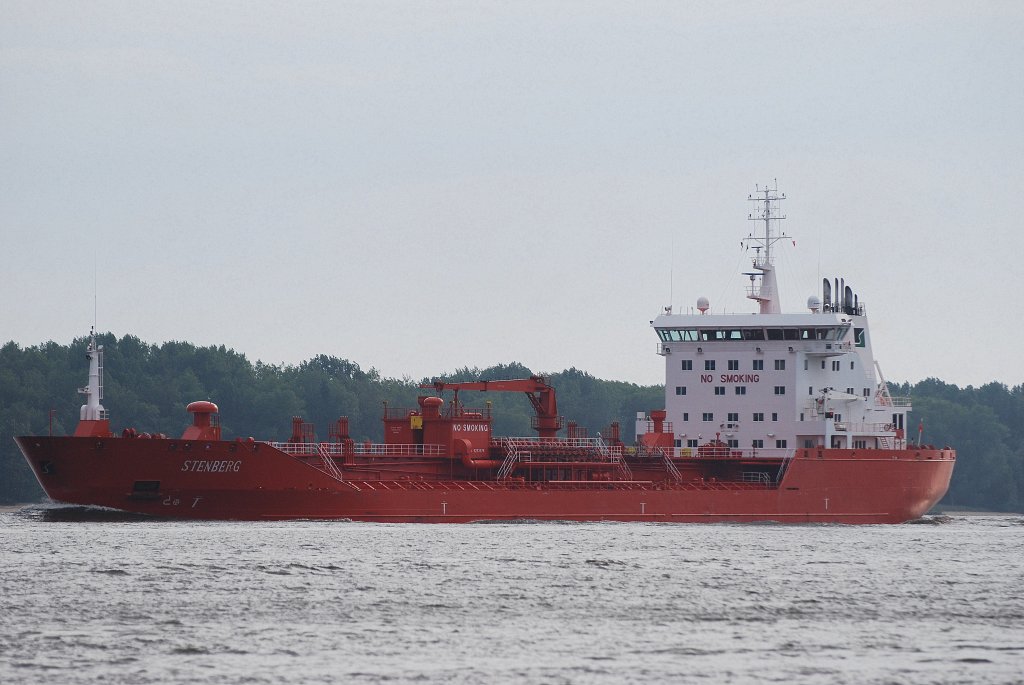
pixel 54 512
pixel 936 520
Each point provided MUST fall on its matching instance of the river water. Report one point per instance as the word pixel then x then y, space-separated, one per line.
pixel 94 597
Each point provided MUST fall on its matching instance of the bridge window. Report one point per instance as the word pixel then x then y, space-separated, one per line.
pixel 719 334
pixel 677 335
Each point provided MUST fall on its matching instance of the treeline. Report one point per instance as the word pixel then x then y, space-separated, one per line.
pixel 148 387
pixel 986 426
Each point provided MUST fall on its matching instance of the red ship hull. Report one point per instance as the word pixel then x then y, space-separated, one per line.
pixel 245 481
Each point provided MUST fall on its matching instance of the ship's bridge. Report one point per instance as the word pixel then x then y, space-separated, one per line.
pixel 823 334
pixel 716 334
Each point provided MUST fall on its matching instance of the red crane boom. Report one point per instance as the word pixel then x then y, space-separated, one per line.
pixel 547 422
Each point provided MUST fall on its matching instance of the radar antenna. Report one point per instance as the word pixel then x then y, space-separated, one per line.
pixel 768 209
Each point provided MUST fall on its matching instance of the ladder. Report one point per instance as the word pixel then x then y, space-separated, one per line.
pixel 615 457
pixel 330 467
pixel 511 457
pixel 620 461
pixel 884 398
pixel 670 466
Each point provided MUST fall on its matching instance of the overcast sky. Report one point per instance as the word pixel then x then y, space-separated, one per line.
pixel 420 186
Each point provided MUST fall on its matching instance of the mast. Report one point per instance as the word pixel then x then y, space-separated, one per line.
pixel 92 410
pixel 768 209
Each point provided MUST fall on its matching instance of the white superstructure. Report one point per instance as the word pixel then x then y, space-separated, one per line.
pixel 772 381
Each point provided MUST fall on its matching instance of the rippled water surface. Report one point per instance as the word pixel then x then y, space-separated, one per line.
pixel 88 598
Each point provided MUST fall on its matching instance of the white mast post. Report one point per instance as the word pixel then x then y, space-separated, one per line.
pixel 93 410
pixel 767 292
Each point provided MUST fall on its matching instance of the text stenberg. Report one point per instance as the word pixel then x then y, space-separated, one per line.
pixel 212 466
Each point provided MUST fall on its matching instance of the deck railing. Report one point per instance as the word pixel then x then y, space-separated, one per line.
pixel 890 401
pixel 596 445
pixel 336 449
pixel 734 453
pixel 864 428
pixel 530 448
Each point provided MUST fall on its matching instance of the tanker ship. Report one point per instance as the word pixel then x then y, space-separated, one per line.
pixel 768 416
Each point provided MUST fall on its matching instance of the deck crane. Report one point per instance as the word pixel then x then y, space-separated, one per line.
pixel 546 422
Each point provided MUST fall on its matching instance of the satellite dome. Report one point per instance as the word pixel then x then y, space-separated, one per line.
pixel 702 304
pixel 814 303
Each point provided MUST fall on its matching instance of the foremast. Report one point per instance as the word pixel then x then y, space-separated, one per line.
pixel 768 210
pixel 93 418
